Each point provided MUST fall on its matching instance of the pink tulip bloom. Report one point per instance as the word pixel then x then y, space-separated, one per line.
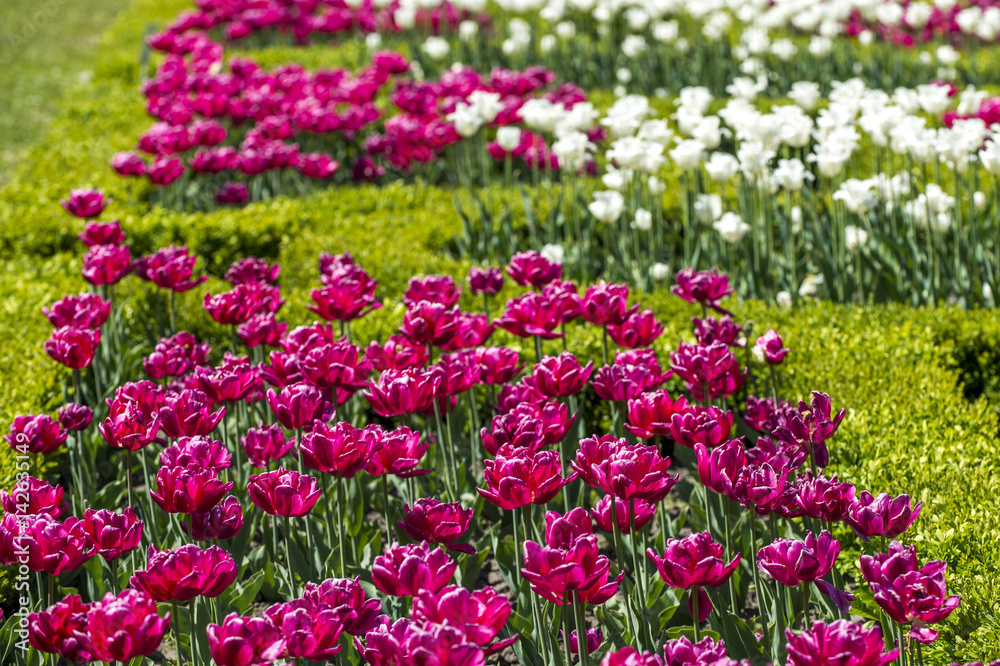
pixel 430 324
pixel 102 233
pixel 531 315
pixel 563 298
pixel 186 490
pixel 222 521
pixel 557 376
pixel 724 330
pixel 398 353
pixel 706 288
pixel 497 365
pixel 42 543
pixel 298 405
pixel 841 641
pixel 345 595
pixel 185 573
pixel 170 268
pixel 74 416
pixel 621 382
pixel 56 629
pixel 35 434
pixel 283 493
pixel 694 562
pixel 769 348
pixel 531 268
pixel 348 297
pixel 480 615
pixel 123 626
pixel 399 392
pixel 73 347
pixel 792 562
pixel 114 534
pixel 245 641
pixel 189 414
pixel 309 631
pixel 485 281
pixel 560 574
pixel 85 203
pixel 30 496
pixel 882 515
pixel 341 449
pixel 197 453
pixel 719 469
pixel 592 640
pixel 439 289
pixel 252 269
pixel 82 311
pixel 518 476
pixel 339 365
pixel 233 379
pixel 606 304
pixel 262 329
pixel 759 487
pixel 561 531
pixel 908 593
pixel 437 522
pixel 106 264
pixel 641 329
pixel 405 571
pixel 460 373
pixel 709 425
pixel 682 652
pixel 474 329
pixel 824 498
pixel 601 513
pixel 399 454
pixel 128 163
pixel 176 356
pixel 265 444
pixel 650 413
pixel 629 656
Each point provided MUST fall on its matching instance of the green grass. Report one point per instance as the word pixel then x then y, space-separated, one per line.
pixel 47 49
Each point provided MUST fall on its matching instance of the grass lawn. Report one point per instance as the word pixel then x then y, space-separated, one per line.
pixel 45 51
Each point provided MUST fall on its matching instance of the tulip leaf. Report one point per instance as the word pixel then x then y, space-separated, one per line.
pixel 241 596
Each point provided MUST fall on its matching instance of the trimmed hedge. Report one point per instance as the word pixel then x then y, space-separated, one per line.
pixel 920 385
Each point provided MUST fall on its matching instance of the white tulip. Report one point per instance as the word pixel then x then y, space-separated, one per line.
pixel 731 227
pixel 721 167
pixel 607 206
pixel 509 138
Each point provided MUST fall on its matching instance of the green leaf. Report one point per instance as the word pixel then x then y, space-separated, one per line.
pixel 239 597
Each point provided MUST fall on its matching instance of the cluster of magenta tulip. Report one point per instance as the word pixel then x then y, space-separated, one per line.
pixel 233 133
pixel 334 483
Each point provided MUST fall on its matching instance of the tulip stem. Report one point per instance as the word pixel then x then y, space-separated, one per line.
pixel 175 622
pixel 389 529
pixel 566 633
pixel 288 557
pixel 173 312
pixel 694 614
pixel 128 475
pixel 194 633
pixel 640 587
pixel 114 575
pixel 761 605
pixel 620 557
pixel 52 590
pixel 517 556
pixel 581 628
pixel 538 349
pixel 342 502
pixel 805 606
pixel 724 501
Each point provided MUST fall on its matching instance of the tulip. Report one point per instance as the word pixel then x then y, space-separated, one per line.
pixel 531 315
pixel 106 264
pixel 298 405
pixel 222 521
pixel 650 414
pixel 592 640
pixel 606 304
pixel 768 348
pixel 641 329
pixel 197 453
pixel 564 300
pixel 85 203
pixel 42 543
pixel 908 593
pixel 164 170
pixel 73 347
pixel 358 613
pixel 518 477
pixel 398 353
pixel 114 534
pixel 243 301
pixel 35 434
pixel 638 472
pixel 342 449
pixel 622 382
pixel 399 392
pixel 317 166
pixel 719 469
pixel 189 414
pixel 561 531
pixel 709 426
pixel 485 281
pixel 399 454
pixel 405 571
pixel 265 444
pixel 437 522
pixel 497 365
pixel 528 425
pixel 309 631
pixel 31 496
pixel 706 288
pixel 244 641
pixel 350 297
pixel 56 629
pixel 882 516
pixel 181 575
pixel 252 269
pixel 602 514
pixel 556 376
pixel 822 498
pixel 439 289
pixel 480 615
pixel 580 571
pixel 430 324
pixel 128 163
pixel 724 330
pixel 233 380
pixel 83 311
pixel 531 268
pixel 629 656
pixel 176 356
pixel 841 642
pixel 695 561
pixel 186 490
pixel 123 626
pixel 707 367
pixel 339 365
pixel 283 493
pixel 261 329
pixel 759 487
pixel 473 330
pixel 460 373
pixel 792 562
pixel 102 233
pixel 170 268
pixel 682 652
pixel 74 416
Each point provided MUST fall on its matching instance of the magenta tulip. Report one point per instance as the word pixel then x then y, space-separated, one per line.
pixel 185 573
pixel 283 493
pixel 695 561
pixel 187 490
pixel 405 571
pixel 123 626
pixel 114 534
pixel 842 642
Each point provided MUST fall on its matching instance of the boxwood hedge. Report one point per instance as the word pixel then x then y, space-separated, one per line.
pixel 921 386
